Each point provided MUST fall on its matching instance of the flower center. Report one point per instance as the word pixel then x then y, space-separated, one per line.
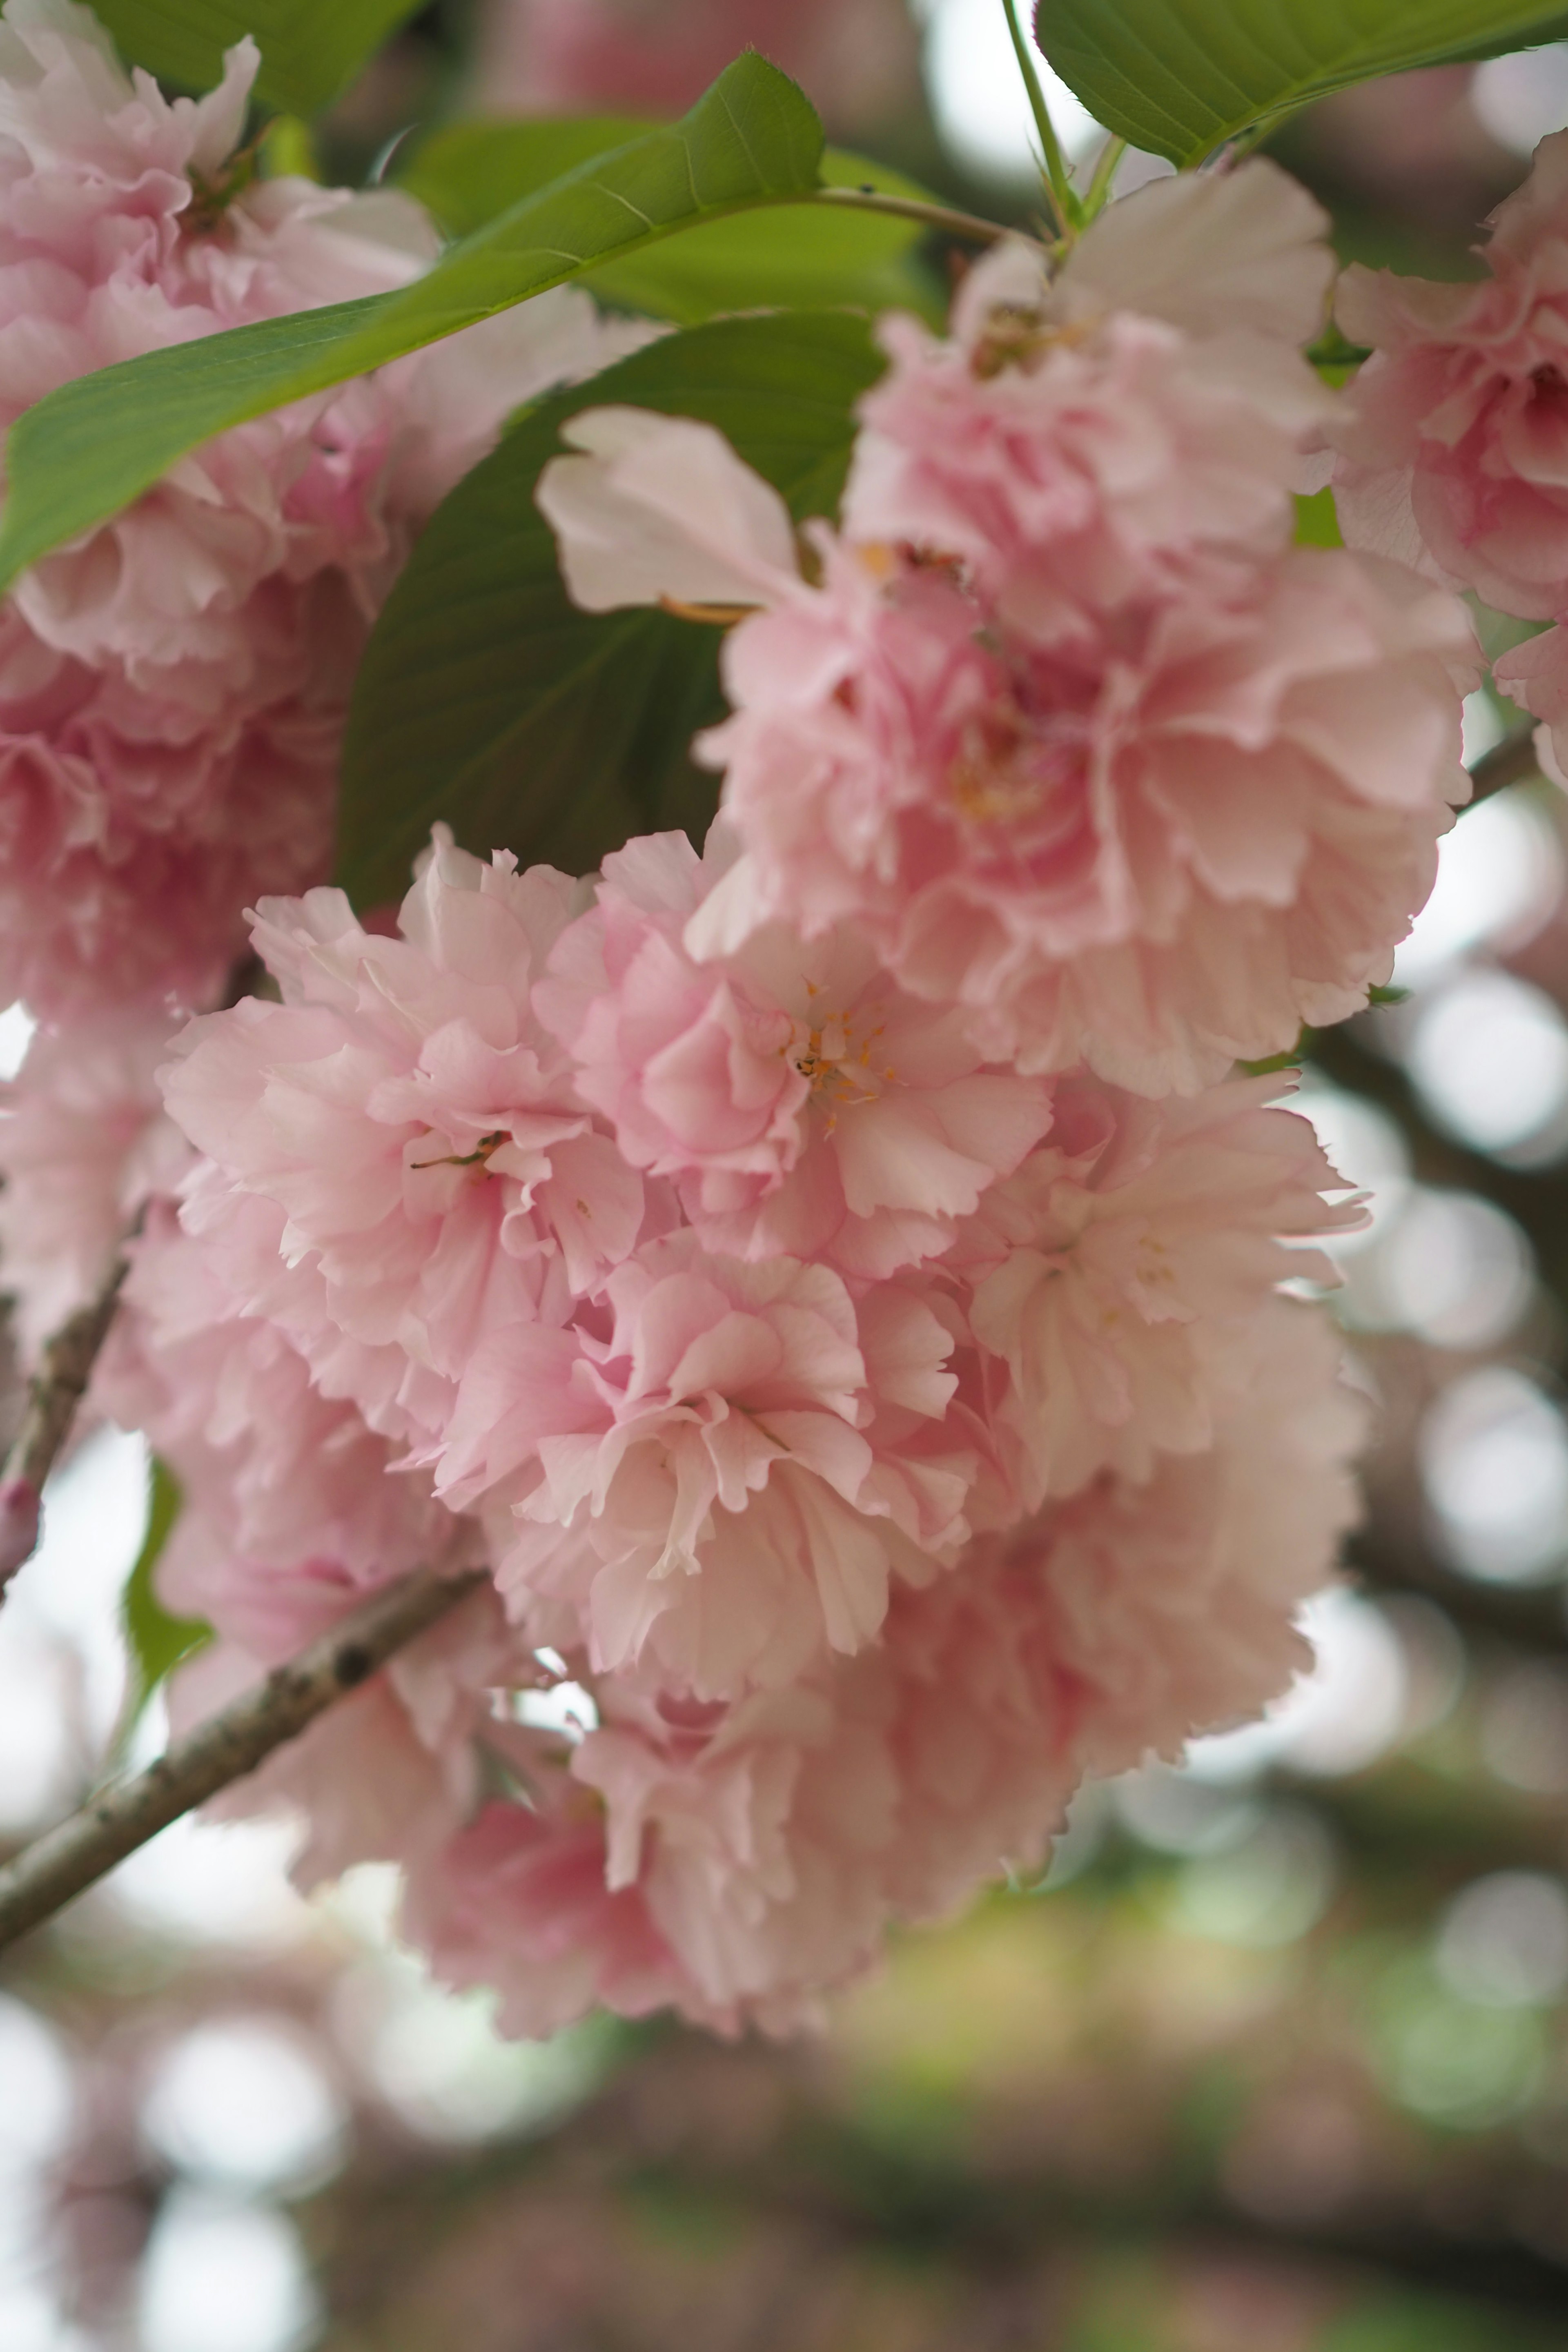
pixel 839 1062
pixel 479 1157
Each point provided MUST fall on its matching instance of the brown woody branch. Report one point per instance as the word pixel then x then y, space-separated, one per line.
pixel 67 1859
pixel 54 1393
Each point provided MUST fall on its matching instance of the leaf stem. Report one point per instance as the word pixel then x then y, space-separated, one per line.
pixel 1098 188
pixel 67 1860
pixel 1070 209
pixel 968 226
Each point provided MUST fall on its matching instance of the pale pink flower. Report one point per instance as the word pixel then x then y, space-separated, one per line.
pixel 651 509
pixel 757 1839
pixel 84 1145
pixel 518 1903
pixel 1455 433
pixel 173 687
pixel 1535 675
pixel 856 57
pixel 1119 1274
pixel 737 1862
pixel 1079 436
pixel 1065 730
pixel 1171 1604
pixel 393 1772
pixel 800 1102
pixel 725 1481
pixel 293 1508
pixel 411 1127
pixel 1156 846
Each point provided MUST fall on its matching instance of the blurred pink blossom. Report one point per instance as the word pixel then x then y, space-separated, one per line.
pixel 1454 432
pixel 856 57
pixel 172 686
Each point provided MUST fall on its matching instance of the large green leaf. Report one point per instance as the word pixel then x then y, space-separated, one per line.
pixel 487 699
pixel 1179 76
pixel 88 449
pixel 797 255
pixel 310 48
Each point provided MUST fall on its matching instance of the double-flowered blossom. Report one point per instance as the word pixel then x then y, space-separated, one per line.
pixel 735 1860
pixel 1454 439
pixel 831 1281
pixel 172 686
pixel 1058 720
pixel 401 1134
pixel 1119 1274
pixel 800 1102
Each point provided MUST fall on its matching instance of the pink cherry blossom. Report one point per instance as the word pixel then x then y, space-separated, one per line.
pixel 1079 437
pixel 172 686
pixel 1119 1274
pixel 653 509
pixel 84 1145
pixel 800 1102
pixel 1062 725
pixel 1157 846
pixel 291 1507
pixel 758 1841
pixel 1171 1604
pixel 736 1862
pixel 656 57
pixel 1455 438
pixel 424 1164
pixel 725 1481
pixel 518 1900
pixel 1535 675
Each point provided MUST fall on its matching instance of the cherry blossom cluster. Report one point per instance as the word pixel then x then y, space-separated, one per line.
pixel 834 1283
pixel 172 687
pixel 1454 439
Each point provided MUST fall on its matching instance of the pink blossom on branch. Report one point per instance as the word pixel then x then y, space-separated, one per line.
pixel 1454 437
pixel 1060 722
pixel 719 1473
pixel 800 1102
pixel 1157 847
pixel 1119 1274
pixel 757 1853
pixel 408 1131
pixel 84 1145
pixel 173 687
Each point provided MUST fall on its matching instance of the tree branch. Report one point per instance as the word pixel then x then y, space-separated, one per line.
pixel 1507 763
pixel 67 1859
pixel 54 1393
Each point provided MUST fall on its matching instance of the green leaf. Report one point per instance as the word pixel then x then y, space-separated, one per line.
pixel 310 49
pixel 157 1642
pixel 88 449
pixel 468 171
pixel 1318 521
pixel 1180 77
pixel 795 256
pixel 487 699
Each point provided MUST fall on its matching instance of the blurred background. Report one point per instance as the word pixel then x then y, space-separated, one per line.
pixel 1278 2055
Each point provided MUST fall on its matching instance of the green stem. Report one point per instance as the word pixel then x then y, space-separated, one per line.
pixel 1068 207
pixel 1098 188
pixel 955 224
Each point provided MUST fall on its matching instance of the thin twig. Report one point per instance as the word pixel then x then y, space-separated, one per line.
pixel 968 226
pixel 1507 763
pixel 73 1856
pixel 54 1393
